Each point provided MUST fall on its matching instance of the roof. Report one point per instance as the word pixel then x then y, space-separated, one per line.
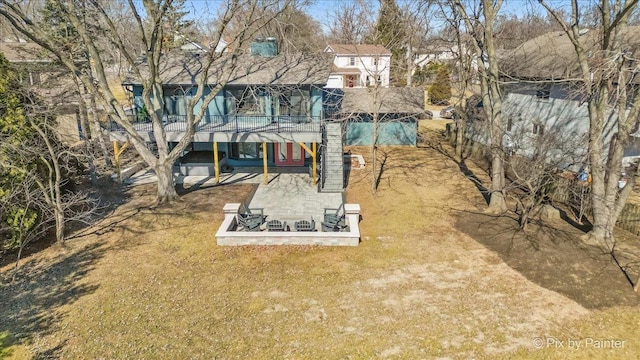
pixel 339 70
pixel 24 52
pixel 50 80
pixel 403 100
pixel 360 50
pixel 552 56
pixel 283 69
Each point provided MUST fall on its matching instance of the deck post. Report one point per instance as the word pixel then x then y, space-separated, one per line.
pixel 264 163
pixel 117 151
pixel 314 162
pixel 313 152
pixel 216 162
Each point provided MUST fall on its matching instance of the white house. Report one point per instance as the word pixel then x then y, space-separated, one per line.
pixel 193 46
pixel 447 53
pixel 357 66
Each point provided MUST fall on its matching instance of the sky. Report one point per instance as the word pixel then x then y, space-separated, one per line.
pixel 323 10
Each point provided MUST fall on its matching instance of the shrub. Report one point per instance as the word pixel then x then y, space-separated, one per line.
pixel 440 91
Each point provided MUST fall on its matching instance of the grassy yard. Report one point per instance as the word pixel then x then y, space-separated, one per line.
pixel 151 283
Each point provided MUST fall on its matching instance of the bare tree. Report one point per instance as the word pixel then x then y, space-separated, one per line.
pixel 480 21
pixel 464 72
pixel 375 116
pixel 513 30
pixel 607 73
pixel 152 20
pixel 350 23
pixel 418 16
pixel 42 196
pixel 534 162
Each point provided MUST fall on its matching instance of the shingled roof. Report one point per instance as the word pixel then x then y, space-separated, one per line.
pixel 24 52
pixel 361 49
pixel 283 69
pixel 403 100
pixel 552 56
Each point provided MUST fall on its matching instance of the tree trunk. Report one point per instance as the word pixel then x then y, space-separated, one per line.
pixel 374 140
pixel 98 130
pixel 166 185
pixel 524 219
pixel 497 203
pixel 18 257
pixel 59 214
pixel 86 131
pixel 459 138
pixel 601 233
pixel 374 165
pixel 410 64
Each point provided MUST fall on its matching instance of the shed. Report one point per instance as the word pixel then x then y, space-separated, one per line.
pixel 397 109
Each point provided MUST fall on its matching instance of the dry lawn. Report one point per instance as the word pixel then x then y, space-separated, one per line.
pixel 151 283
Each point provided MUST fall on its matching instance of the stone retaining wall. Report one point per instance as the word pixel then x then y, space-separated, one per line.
pixel 228 236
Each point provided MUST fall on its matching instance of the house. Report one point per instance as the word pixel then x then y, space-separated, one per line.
pixel 357 66
pixel 545 102
pixel 397 110
pixel 194 46
pixel 50 81
pixel 269 114
pixel 438 52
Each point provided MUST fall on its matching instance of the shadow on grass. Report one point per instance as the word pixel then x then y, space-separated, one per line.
pixel 553 256
pixel 110 197
pixel 433 140
pixel 30 305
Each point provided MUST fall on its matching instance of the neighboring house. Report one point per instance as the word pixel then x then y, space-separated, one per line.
pixel 357 66
pixel 193 46
pixel 397 110
pixel 270 112
pixel 547 102
pixel 436 53
pixel 50 81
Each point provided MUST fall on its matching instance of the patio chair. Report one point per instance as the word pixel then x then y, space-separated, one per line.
pixel 304 225
pixel 335 217
pixel 276 225
pixel 248 223
pixel 255 213
pixel 329 226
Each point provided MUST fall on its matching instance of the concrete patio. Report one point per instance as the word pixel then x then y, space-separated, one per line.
pixel 289 194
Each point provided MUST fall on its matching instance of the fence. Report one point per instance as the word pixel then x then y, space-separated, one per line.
pixel 576 195
pixel 571 192
pixel 630 219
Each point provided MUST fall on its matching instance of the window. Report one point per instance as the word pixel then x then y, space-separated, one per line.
pixel 246 150
pixel 509 124
pixel 248 101
pixel 294 102
pixel 538 129
pixel 175 101
pixel 379 79
pixel 374 61
pixel 352 61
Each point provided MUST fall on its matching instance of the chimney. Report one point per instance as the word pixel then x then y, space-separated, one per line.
pixel 264 47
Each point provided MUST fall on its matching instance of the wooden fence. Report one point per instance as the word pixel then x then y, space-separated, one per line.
pixel 630 219
pixel 570 192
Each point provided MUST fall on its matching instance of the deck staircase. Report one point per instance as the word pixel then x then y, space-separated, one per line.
pixel 332 167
